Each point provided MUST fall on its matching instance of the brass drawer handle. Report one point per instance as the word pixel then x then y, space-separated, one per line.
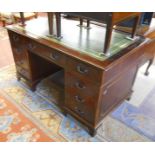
pixel 31 46
pixel 19 50
pixel 80 85
pixel 79 111
pixel 105 92
pixel 20 62
pixel 54 56
pixel 15 38
pixel 81 69
pixel 79 99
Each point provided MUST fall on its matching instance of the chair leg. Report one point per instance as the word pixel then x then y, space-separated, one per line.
pixel 108 38
pixel 135 26
pixel 149 65
pixel 36 15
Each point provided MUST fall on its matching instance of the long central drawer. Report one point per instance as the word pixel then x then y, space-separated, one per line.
pixel 46 52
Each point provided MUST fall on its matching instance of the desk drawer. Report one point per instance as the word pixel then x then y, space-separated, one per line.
pixel 47 52
pixel 81 87
pixel 83 110
pixel 16 39
pixel 19 49
pixel 84 71
pixel 20 57
pixel 23 72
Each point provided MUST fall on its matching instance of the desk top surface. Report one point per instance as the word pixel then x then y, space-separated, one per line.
pixel 82 42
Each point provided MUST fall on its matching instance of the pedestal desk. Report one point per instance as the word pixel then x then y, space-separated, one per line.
pixel 94 84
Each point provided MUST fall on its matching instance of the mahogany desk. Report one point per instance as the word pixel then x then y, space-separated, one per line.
pixel 94 84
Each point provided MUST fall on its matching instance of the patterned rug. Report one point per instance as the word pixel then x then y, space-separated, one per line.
pixel 148 105
pixel 39 109
pixel 139 112
pixel 136 119
pixel 39 114
pixel 16 127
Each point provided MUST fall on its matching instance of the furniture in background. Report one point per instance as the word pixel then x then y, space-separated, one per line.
pixel 24 16
pixel 14 17
pixel 6 18
pixel 92 87
pixel 143 27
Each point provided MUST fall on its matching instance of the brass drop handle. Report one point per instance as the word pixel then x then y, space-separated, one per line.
pixel 79 111
pixel 105 92
pixel 79 99
pixel 15 38
pixel 21 62
pixel 81 69
pixel 31 46
pixel 80 85
pixel 19 50
pixel 54 56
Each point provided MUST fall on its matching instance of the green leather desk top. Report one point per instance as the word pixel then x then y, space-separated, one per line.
pixel 85 41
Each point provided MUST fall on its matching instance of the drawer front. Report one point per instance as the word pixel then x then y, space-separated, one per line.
pixel 86 89
pixel 20 57
pixel 84 71
pixel 23 72
pixel 19 49
pixel 83 110
pixel 49 53
pixel 16 39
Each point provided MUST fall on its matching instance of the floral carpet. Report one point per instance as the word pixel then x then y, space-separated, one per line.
pixel 39 110
pixel 34 116
pixel 14 126
pixel 135 118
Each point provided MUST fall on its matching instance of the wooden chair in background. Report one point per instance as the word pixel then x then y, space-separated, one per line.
pixel 15 17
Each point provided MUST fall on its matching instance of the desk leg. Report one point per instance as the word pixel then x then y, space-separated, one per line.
pixel 92 132
pixel 64 112
pixel 136 22
pixel 32 86
pixel 130 95
pixel 108 38
pixel 149 65
pixel 18 77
